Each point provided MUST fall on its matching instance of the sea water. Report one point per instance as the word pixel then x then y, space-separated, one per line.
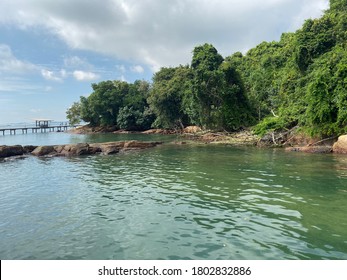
pixel 172 202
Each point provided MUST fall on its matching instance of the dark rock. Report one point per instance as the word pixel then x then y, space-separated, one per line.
pixel 10 151
pixel 29 148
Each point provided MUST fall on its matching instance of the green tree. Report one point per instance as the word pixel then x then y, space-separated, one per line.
pixel 207 84
pixel 235 109
pixel 219 91
pixel 169 98
pixel 73 114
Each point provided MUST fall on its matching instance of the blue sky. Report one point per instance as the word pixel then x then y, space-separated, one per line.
pixel 51 51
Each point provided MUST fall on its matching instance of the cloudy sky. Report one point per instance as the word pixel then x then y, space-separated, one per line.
pixel 51 51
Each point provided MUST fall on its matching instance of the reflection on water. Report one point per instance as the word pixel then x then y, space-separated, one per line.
pixel 175 202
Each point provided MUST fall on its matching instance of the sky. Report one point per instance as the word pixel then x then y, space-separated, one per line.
pixel 52 51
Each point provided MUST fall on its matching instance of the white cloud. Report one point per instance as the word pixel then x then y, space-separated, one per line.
pixel 85 76
pixel 160 33
pixel 137 69
pixel 76 62
pixel 50 75
pixel 10 64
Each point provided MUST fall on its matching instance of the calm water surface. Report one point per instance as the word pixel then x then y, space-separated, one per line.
pixel 172 202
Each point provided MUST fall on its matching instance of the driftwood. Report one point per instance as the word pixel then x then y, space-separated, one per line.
pixel 323 140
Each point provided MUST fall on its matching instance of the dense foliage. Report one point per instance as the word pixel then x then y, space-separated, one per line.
pixel 115 103
pixel 301 80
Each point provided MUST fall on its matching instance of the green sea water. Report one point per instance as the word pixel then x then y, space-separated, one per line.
pixel 172 202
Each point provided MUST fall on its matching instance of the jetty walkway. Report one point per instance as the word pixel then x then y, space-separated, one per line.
pixel 40 126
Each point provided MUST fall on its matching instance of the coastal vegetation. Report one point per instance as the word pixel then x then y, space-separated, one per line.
pixel 297 82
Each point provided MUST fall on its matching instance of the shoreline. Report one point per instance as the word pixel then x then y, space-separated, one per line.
pixel 189 135
pixel 291 140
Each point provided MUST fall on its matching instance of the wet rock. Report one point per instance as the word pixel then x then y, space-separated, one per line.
pixel 340 146
pixel 10 151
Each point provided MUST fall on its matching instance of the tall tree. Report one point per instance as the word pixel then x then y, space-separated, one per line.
pixel 169 91
pixel 207 84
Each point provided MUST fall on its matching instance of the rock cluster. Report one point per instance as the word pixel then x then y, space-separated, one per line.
pixel 75 149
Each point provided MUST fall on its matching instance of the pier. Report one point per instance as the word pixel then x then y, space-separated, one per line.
pixel 41 125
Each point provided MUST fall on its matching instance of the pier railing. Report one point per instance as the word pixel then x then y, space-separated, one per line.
pixel 36 129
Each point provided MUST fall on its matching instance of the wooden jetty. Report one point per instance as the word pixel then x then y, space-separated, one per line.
pixel 41 125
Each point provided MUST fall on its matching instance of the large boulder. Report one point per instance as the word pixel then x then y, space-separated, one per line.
pixel 43 151
pixel 341 145
pixel 10 151
pixel 73 149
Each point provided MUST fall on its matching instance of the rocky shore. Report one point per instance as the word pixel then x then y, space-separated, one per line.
pixel 192 134
pixel 291 140
pixel 75 149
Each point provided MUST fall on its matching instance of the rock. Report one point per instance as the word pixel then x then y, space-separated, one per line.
pixel 29 148
pixel 140 145
pixel 94 149
pixel 311 149
pixel 59 148
pixel 79 149
pixel 107 148
pixel 340 146
pixel 192 129
pixel 10 151
pixel 43 151
pixel 75 149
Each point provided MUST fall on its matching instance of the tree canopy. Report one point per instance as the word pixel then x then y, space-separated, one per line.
pixel 301 80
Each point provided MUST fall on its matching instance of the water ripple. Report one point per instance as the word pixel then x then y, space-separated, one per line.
pixel 169 203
